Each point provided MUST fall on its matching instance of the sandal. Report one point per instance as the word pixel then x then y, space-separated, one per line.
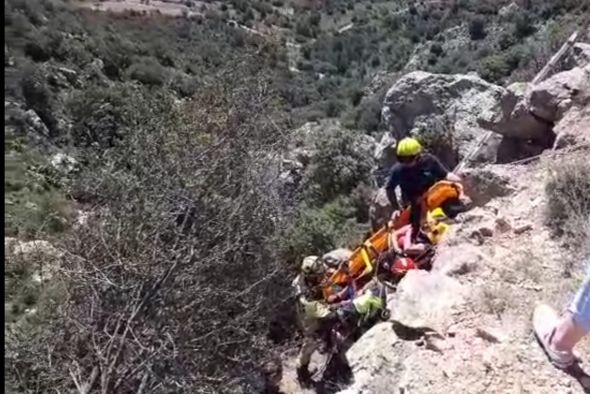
pixel 545 321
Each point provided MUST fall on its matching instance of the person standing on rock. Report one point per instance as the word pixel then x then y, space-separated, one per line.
pixel 415 173
pixel 315 317
pixel 559 335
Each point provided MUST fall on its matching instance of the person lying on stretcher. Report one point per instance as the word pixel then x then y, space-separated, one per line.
pixel 405 255
pixel 430 234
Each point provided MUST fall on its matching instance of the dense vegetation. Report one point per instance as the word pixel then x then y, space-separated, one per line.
pixel 500 42
pixel 179 281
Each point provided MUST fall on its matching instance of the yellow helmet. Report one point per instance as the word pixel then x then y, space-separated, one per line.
pixel 408 147
pixel 312 265
pixel 436 215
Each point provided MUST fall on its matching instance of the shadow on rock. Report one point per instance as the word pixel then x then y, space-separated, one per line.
pixel 337 376
pixel 580 375
pixel 408 333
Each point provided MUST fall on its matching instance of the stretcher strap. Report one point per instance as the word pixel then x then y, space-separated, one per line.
pixel 368 265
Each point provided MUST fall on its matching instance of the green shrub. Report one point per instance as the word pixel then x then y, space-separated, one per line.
pixel 367 115
pixel 341 162
pixel 190 207
pixel 334 107
pixel 148 71
pixel 38 48
pixel 33 203
pixel 523 26
pixel 506 40
pixel 101 115
pixel 494 68
pixel 318 230
pixel 185 86
pixel 436 49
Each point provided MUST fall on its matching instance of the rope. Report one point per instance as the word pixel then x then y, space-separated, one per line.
pixel 476 149
pixel 551 153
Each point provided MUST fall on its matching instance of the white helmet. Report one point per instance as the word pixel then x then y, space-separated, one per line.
pixel 312 265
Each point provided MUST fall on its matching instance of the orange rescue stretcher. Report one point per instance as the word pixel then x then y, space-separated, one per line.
pixel 360 264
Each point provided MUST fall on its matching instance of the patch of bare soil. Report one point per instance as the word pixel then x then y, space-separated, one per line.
pixel 169 7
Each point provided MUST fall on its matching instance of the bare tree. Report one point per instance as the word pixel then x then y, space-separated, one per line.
pixel 174 282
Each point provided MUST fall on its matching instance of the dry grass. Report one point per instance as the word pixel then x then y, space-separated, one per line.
pixel 493 299
pixel 175 286
pixel 568 208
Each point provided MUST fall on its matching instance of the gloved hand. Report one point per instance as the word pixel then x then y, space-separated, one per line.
pixel 332 298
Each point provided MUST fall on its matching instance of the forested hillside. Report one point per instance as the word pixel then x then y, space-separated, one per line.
pixel 150 149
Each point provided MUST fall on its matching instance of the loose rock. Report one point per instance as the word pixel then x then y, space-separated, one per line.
pixel 502 225
pixel 426 299
pixel 522 228
pixel 486 231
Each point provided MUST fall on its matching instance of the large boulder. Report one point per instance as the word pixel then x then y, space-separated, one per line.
pixel 514 119
pixel 426 299
pixel 530 112
pixel 380 80
pixel 422 309
pixel 550 99
pixel 418 97
pixel 376 361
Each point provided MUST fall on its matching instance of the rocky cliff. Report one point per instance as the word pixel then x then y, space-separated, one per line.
pixel 466 325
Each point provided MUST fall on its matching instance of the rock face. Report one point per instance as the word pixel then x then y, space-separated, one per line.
pixel 419 96
pixel 484 184
pixel 529 113
pixel 426 299
pixel 380 210
pixel 451 262
pixel 574 128
pixel 385 152
pixel 380 359
pixel 515 119
pixel 371 359
pixel 379 81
